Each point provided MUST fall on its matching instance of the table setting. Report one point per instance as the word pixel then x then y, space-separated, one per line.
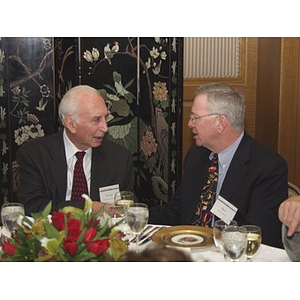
pixel 198 242
pixel 69 236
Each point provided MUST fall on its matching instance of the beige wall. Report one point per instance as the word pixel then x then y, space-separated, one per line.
pixel 270 79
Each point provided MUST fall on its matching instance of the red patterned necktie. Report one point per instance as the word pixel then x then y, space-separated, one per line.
pixel 79 181
pixel 203 215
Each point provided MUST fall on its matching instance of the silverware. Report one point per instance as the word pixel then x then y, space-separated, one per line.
pixel 147 238
pixel 142 234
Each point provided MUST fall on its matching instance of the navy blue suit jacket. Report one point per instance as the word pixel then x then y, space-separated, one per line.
pixel 256 183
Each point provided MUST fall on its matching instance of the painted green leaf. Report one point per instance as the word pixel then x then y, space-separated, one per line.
pixel 121 107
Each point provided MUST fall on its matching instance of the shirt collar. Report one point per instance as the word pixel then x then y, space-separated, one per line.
pixel 71 149
pixel 226 155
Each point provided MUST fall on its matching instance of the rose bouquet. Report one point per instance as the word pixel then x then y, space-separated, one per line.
pixel 71 234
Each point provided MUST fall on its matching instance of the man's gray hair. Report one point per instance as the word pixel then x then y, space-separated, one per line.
pixel 225 100
pixel 71 100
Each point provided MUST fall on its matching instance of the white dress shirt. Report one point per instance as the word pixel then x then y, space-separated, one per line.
pixel 71 150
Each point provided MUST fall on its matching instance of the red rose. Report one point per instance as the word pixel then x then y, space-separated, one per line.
pixel 99 246
pixel 74 230
pixel 73 233
pixel 70 246
pixel 74 222
pixel 89 235
pixel 9 248
pixel 58 220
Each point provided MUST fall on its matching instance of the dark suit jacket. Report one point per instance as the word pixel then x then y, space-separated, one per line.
pixel 256 183
pixel 43 171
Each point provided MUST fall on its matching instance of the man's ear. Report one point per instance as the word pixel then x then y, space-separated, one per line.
pixel 70 124
pixel 223 122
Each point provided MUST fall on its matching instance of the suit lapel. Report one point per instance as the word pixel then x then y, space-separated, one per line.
pixel 59 164
pixel 98 172
pixel 238 169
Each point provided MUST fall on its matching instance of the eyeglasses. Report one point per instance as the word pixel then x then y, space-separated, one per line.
pixel 195 118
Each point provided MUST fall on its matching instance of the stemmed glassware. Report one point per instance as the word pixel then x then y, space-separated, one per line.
pixel 10 213
pixel 123 199
pixel 219 226
pixel 234 241
pixel 253 240
pixel 137 216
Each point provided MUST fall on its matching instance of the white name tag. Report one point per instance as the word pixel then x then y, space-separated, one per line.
pixel 107 193
pixel 224 210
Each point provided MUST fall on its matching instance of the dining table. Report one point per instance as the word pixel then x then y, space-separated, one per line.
pixel 202 253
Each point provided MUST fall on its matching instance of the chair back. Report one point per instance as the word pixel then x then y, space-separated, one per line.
pixel 293 190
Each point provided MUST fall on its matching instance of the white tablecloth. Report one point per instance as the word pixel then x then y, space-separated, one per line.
pixel 264 254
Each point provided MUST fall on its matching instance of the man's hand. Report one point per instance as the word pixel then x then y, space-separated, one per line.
pixel 100 207
pixel 289 214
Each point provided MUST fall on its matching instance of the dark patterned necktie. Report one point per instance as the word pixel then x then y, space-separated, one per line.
pixel 203 215
pixel 79 181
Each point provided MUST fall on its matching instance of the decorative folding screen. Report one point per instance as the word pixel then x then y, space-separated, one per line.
pixel 140 79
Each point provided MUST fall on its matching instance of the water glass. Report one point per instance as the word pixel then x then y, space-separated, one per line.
pixel 10 213
pixel 234 240
pixel 137 218
pixel 219 226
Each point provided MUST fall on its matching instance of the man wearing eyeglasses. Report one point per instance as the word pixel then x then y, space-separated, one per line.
pixel 251 178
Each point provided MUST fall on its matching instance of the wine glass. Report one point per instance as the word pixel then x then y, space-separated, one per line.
pixel 219 226
pixel 234 241
pixel 253 240
pixel 10 213
pixel 137 218
pixel 123 199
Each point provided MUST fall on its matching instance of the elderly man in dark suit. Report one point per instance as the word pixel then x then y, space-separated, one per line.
pixel 251 177
pixel 47 164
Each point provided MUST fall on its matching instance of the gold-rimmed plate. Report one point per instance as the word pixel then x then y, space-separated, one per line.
pixel 184 236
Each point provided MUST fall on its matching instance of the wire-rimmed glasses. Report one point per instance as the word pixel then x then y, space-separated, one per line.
pixel 194 118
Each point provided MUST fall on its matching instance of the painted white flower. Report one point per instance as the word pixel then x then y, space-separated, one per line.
pixel 154 52
pixel 21 135
pixel 148 63
pixel 35 130
pixel 163 55
pixel 87 55
pixel 95 54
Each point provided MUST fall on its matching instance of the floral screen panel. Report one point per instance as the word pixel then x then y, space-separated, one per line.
pixel 27 107
pixel 160 126
pixel 141 82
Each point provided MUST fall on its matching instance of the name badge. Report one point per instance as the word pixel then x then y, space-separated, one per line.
pixel 107 193
pixel 224 210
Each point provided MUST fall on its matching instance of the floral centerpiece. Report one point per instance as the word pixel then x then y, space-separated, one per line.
pixel 71 234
